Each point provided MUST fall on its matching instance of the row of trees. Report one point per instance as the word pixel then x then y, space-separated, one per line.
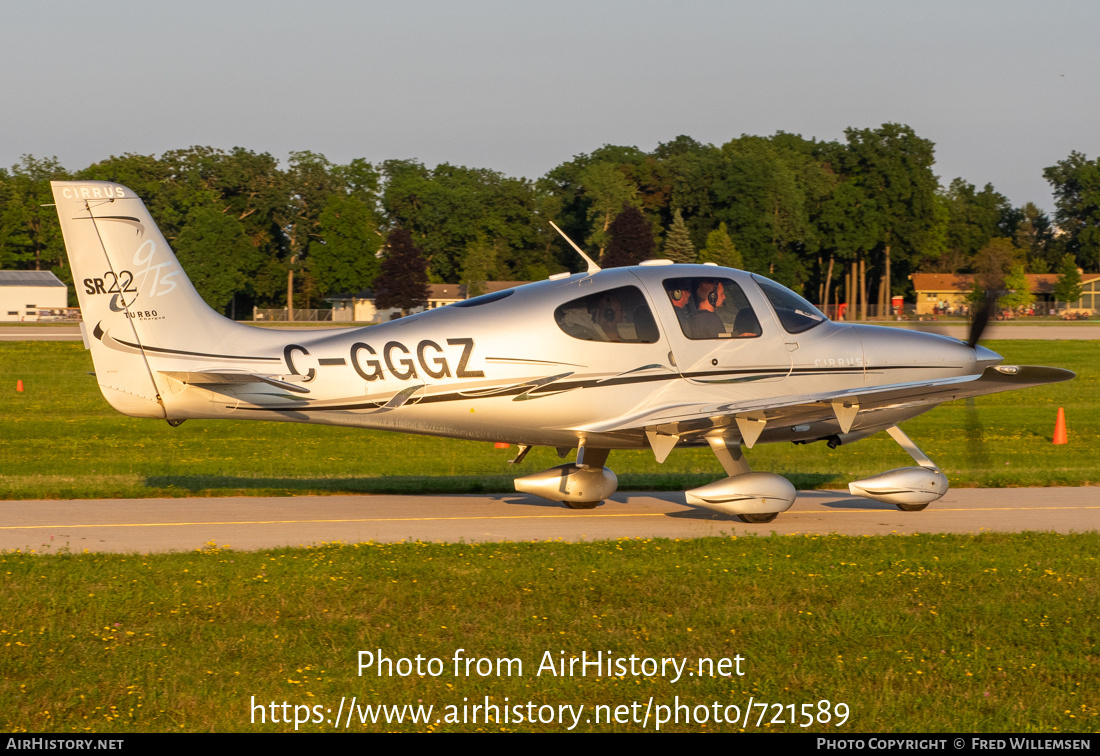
pixel 836 219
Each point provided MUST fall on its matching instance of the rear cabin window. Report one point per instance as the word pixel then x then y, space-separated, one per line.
pixel 712 308
pixel 617 315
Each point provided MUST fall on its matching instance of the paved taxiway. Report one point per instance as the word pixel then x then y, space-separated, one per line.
pixel 146 525
pixel 40 333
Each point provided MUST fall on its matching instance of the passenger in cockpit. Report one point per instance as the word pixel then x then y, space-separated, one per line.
pixel 705 323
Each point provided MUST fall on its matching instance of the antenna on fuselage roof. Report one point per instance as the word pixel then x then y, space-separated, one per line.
pixel 592 266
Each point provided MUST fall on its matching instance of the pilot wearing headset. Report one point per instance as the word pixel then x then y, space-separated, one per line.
pixel 705 323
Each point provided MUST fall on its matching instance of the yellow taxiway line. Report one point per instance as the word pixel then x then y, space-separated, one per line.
pixel 486 517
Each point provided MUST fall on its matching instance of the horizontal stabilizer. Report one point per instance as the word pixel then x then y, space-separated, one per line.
pixel 221 378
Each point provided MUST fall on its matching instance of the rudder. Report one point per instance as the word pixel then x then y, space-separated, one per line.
pixel 132 291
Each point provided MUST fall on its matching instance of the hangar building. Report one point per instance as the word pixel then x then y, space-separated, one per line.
pixel 31 295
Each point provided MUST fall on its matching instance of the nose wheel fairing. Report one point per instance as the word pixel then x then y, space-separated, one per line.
pixel 910 489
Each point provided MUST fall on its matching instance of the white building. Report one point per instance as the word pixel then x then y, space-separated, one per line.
pixel 32 295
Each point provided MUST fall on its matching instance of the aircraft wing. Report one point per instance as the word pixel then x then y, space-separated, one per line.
pixel 681 419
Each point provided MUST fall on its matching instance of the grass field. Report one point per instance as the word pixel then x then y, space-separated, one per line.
pixel 60 439
pixel 990 633
pixel 929 633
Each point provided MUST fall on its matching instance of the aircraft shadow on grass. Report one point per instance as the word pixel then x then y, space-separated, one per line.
pixel 399 485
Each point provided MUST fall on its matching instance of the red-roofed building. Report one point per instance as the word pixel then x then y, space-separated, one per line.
pixel 950 290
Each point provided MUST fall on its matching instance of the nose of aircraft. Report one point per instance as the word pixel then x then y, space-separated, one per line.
pixel 986 357
pixel 893 347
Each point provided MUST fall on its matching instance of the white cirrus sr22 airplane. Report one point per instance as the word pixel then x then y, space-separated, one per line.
pixel 653 356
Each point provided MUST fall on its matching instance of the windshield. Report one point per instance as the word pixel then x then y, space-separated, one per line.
pixel 795 313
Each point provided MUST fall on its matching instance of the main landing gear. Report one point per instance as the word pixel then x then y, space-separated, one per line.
pixel 910 489
pixel 754 498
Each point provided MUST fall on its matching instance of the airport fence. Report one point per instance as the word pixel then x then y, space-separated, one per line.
pixel 282 315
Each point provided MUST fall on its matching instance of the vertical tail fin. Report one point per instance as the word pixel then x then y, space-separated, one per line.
pixel 133 293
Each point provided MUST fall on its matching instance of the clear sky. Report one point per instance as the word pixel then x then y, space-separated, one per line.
pixel 1003 88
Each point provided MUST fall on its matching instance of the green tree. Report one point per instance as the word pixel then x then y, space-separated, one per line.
pixel 447 208
pixel 759 197
pixel 894 166
pixel 16 247
pixel 478 266
pixel 608 191
pixel 1017 288
pixel 403 280
pixel 542 261
pixel 678 246
pixel 993 265
pixel 1068 286
pixel 720 249
pixel 246 185
pixel 974 219
pixel 216 253
pixel 30 236
pixel 311 181
pixel 630 239
pixel 694 172
pixel 1076 184
pixel 1034 234
pixel 848 230
pixel 360 179
pixel 343 258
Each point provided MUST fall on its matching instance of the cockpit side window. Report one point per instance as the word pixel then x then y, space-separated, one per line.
pixel 712 308
pixel 795 313
pixel 617 315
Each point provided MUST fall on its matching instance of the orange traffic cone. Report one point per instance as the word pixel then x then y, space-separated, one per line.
pixel 1060 428
pixel 19 385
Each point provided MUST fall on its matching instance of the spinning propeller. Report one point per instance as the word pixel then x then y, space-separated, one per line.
pixel 975 438
pixel 979 319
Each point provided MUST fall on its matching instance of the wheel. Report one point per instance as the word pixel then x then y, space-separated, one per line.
pixel 912 507
pixel 581 504
pixel 757 519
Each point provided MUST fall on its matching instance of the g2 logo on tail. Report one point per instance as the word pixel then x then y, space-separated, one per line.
pixel 161 283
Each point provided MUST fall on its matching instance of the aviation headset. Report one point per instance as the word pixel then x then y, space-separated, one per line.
pixel 603 310
pixel 712 295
